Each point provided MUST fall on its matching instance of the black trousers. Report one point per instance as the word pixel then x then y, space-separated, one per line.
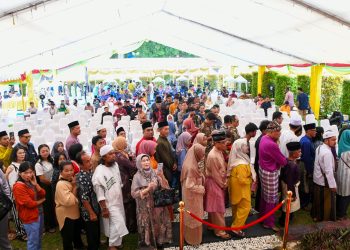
pixel 343 203
pixel 50 221
pixel 70 233
pixel 93 234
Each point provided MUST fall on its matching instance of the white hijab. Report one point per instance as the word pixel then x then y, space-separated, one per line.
pixel 237 155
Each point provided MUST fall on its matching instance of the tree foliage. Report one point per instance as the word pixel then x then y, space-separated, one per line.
pixel 345 99
pixel 330 94
pixel 254 84
pixel 269 80
pixel 152 49
pixel 303 81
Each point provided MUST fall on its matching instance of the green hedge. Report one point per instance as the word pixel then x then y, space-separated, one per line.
pixel 303 81
pixel 345 99
pixel 330 94
pixel 281 83
pixel 254 84
pixel 268 80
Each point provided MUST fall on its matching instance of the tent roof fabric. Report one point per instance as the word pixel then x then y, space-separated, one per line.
pixel 236 32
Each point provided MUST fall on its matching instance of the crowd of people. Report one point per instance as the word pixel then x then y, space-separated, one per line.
pixel 198 154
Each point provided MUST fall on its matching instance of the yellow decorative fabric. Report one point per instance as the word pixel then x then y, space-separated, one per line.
pixel 315 88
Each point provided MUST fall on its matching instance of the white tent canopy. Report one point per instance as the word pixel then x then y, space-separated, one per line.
pixel 240 79
pixel 158 79
pixel 182 79
pixel 237 32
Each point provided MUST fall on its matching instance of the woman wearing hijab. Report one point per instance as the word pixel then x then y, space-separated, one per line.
pixel 343 175
pixel 182 146
pixel 148 147
pixel 201 139
pixel 154 225
pixel 189 126
pixel 57 148
pixel 240 180
pixel 192 181
pixel 127 169
pixel 172 130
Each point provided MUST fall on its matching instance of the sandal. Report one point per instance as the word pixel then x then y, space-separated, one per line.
pixel 239 234
pixel 224 236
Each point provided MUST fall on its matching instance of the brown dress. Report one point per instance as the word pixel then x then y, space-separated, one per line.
pixel 153 223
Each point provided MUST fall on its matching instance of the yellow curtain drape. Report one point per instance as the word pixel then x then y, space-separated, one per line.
pixel 315 89
pixel 261 71
pixel 30 87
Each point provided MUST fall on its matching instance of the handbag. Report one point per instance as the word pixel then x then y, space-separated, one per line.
pixel 165 197
pixel 5 205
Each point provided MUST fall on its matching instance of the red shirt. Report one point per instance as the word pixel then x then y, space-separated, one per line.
pixel 119 112
pixel 26 205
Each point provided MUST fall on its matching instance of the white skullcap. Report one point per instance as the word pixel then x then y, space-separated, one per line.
pixel 100 127
pixel 329 134
pixel 295 121
pixel 105 150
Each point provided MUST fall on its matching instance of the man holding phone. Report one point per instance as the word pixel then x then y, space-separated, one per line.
pixel 24 143
pixel 6 144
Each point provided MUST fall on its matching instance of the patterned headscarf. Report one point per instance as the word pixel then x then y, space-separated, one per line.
pixel 273 126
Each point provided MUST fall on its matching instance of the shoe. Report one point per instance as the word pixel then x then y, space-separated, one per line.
pixel 239 234
pixel 224 236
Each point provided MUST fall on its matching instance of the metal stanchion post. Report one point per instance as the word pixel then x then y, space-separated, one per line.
pixel 286 224
pixel 181 210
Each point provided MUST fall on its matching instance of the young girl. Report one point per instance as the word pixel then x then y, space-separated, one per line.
pixel 44 171
pixel 29 197
pixel 17 157
pixel 67 207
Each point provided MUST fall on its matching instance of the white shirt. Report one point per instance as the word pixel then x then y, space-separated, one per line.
pixel 324 160
pixel 108 186
pixel 44 168
pixel 286 137
pixel 13 175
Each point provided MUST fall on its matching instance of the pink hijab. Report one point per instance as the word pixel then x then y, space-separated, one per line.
pixel 199 139
pixel 147 147
pixel 190 126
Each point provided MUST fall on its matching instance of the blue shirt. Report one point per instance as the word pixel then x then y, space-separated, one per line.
pixel 181 159
pixel 307 153
pixel 303 101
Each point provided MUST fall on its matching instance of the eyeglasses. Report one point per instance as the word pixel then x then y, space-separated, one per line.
pixel 27 136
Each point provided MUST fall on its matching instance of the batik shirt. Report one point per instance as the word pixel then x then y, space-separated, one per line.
pixel 86 193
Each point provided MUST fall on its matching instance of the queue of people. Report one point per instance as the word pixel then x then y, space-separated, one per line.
pixel 199 155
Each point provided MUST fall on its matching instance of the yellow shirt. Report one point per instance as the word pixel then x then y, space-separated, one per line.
pixel 172 108
pixel 240 183
pixel 285 108
pixel 5 154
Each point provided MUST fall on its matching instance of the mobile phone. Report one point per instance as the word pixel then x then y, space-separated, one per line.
pixel 160 167
pixel 12 135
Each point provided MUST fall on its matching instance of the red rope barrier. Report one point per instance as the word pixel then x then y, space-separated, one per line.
pixel 241 227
